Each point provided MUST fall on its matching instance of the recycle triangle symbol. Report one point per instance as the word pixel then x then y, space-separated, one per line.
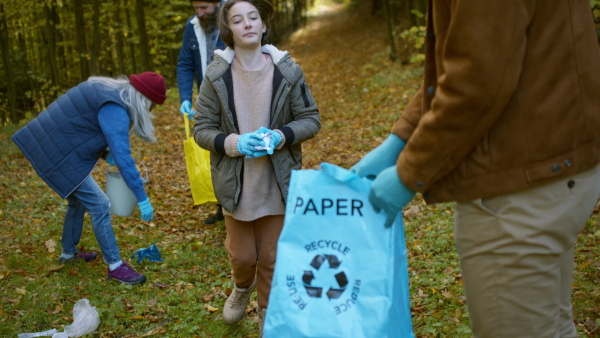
pixel 315 291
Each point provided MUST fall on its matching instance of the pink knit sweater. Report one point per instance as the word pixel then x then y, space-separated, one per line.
pixel 252 91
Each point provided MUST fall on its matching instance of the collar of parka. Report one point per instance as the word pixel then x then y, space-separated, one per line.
pixel 228 54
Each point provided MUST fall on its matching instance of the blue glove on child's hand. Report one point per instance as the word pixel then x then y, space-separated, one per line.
pixel 389 194
pixel 275 139
pixel 146 210
pixel 247 143
pixel 384 156
pixel 186 108
pixel 109 159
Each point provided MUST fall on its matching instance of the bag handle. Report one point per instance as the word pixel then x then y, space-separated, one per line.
pixel 186 122
pixel 338 173
pixel 143 165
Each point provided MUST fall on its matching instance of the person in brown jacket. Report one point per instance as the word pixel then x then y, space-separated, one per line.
pixel 507 125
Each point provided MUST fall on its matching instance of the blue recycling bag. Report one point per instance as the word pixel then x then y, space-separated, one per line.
pixel 339 272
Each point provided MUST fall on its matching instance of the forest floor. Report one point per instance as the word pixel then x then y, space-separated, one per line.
pixel 344 52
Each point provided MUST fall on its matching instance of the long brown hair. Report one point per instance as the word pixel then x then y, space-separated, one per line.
pixel 265 10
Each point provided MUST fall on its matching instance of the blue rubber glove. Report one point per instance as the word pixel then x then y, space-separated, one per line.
pixel 389 194
pixel 109 159
pixel 275 139
pixel 186 108
pixel 247 143
pixel 384 156
pixel 146 210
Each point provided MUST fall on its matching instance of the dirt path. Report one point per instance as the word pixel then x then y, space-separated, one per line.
pixel 339 50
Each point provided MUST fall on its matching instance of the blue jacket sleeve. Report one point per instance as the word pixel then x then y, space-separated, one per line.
pixel 186 65
pixel 114 122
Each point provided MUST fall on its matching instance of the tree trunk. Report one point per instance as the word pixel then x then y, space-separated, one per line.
pixel 132 56
pixel 81 46
pixel 390 27
pixel 143 35
pixel 119 48
pixel 50 35
pixel 5 48
pixel 95 38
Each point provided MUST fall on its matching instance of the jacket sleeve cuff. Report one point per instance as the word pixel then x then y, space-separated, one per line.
pixel 219 143
pixel 288 134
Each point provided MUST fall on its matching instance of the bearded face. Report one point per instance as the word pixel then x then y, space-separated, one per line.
pixel 208 21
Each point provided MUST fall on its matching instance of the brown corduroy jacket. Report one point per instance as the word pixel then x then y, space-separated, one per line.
pixel 511 99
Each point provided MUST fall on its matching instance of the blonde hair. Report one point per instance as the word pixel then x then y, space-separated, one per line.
pixel 138 104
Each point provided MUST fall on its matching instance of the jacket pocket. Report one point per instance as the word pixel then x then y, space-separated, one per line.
pixel 304 94
pixel 193 45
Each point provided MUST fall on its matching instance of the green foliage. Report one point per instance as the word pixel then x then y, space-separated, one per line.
pixel 28 69
pixel 414 38
pixel 596 13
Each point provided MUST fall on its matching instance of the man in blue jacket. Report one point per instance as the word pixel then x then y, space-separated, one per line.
pixel 200 39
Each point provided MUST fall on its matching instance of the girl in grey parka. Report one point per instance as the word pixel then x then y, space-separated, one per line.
pixel 254 111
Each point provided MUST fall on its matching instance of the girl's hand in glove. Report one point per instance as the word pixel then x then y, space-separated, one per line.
pixel 247 143
pixel 275 139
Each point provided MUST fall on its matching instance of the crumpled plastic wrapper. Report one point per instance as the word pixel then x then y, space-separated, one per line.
pixel 267 139
pixel 150 253
pixel 85 320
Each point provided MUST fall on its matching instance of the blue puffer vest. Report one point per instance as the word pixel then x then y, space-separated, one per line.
pixel 65 141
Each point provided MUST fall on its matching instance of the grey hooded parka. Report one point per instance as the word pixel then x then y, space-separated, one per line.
pixel 293 111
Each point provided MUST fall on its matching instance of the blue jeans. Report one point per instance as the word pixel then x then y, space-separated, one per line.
pixel 90 197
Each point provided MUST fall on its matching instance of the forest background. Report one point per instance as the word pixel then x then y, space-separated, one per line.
pixel 50 46
pixel 363 62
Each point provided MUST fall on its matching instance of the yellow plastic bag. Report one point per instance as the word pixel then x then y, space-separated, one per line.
pixel 197 161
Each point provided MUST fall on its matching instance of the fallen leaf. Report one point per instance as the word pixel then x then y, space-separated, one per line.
pixel 155 331
pixel 412 212
pixel 50 245
pixel 211 309
pixel 583 265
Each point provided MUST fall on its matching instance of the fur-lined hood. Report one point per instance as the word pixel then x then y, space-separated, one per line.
pixel 275 53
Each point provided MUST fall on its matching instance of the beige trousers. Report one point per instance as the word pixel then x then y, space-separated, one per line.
pixel 252 247
pixel 516 254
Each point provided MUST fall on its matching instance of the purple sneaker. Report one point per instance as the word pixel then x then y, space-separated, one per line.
pixel 85 256
pixel 126 275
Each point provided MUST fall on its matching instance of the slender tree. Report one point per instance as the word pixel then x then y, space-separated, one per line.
pixel 390 28
pixel 50 37
pixel 4 48
pixel 80 37
pixel 143 35
pixel 96 42
pixel 132 56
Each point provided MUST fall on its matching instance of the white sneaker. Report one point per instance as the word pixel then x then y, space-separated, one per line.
pixel 235 306
pixel 262 314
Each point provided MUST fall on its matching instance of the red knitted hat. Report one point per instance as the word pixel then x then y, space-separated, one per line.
pixel 150 84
